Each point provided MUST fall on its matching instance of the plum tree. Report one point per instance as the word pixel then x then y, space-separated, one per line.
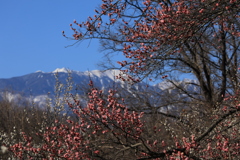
pixel 161 39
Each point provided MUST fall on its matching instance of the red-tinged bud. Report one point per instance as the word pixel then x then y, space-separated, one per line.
pixel 97 152
pixel 62 32
pixel 74 21
pixel 70 24
pixel 90 83
pixel 201 11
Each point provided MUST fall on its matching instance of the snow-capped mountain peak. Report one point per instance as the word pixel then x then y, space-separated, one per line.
pixel 39 71
pixel 58 70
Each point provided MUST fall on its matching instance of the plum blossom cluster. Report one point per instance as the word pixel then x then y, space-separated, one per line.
pixel 73 140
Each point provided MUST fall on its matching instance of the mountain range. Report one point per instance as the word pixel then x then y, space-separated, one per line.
pixel 40 84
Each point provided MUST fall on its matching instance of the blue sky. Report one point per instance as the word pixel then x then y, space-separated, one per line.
pixel 31 38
